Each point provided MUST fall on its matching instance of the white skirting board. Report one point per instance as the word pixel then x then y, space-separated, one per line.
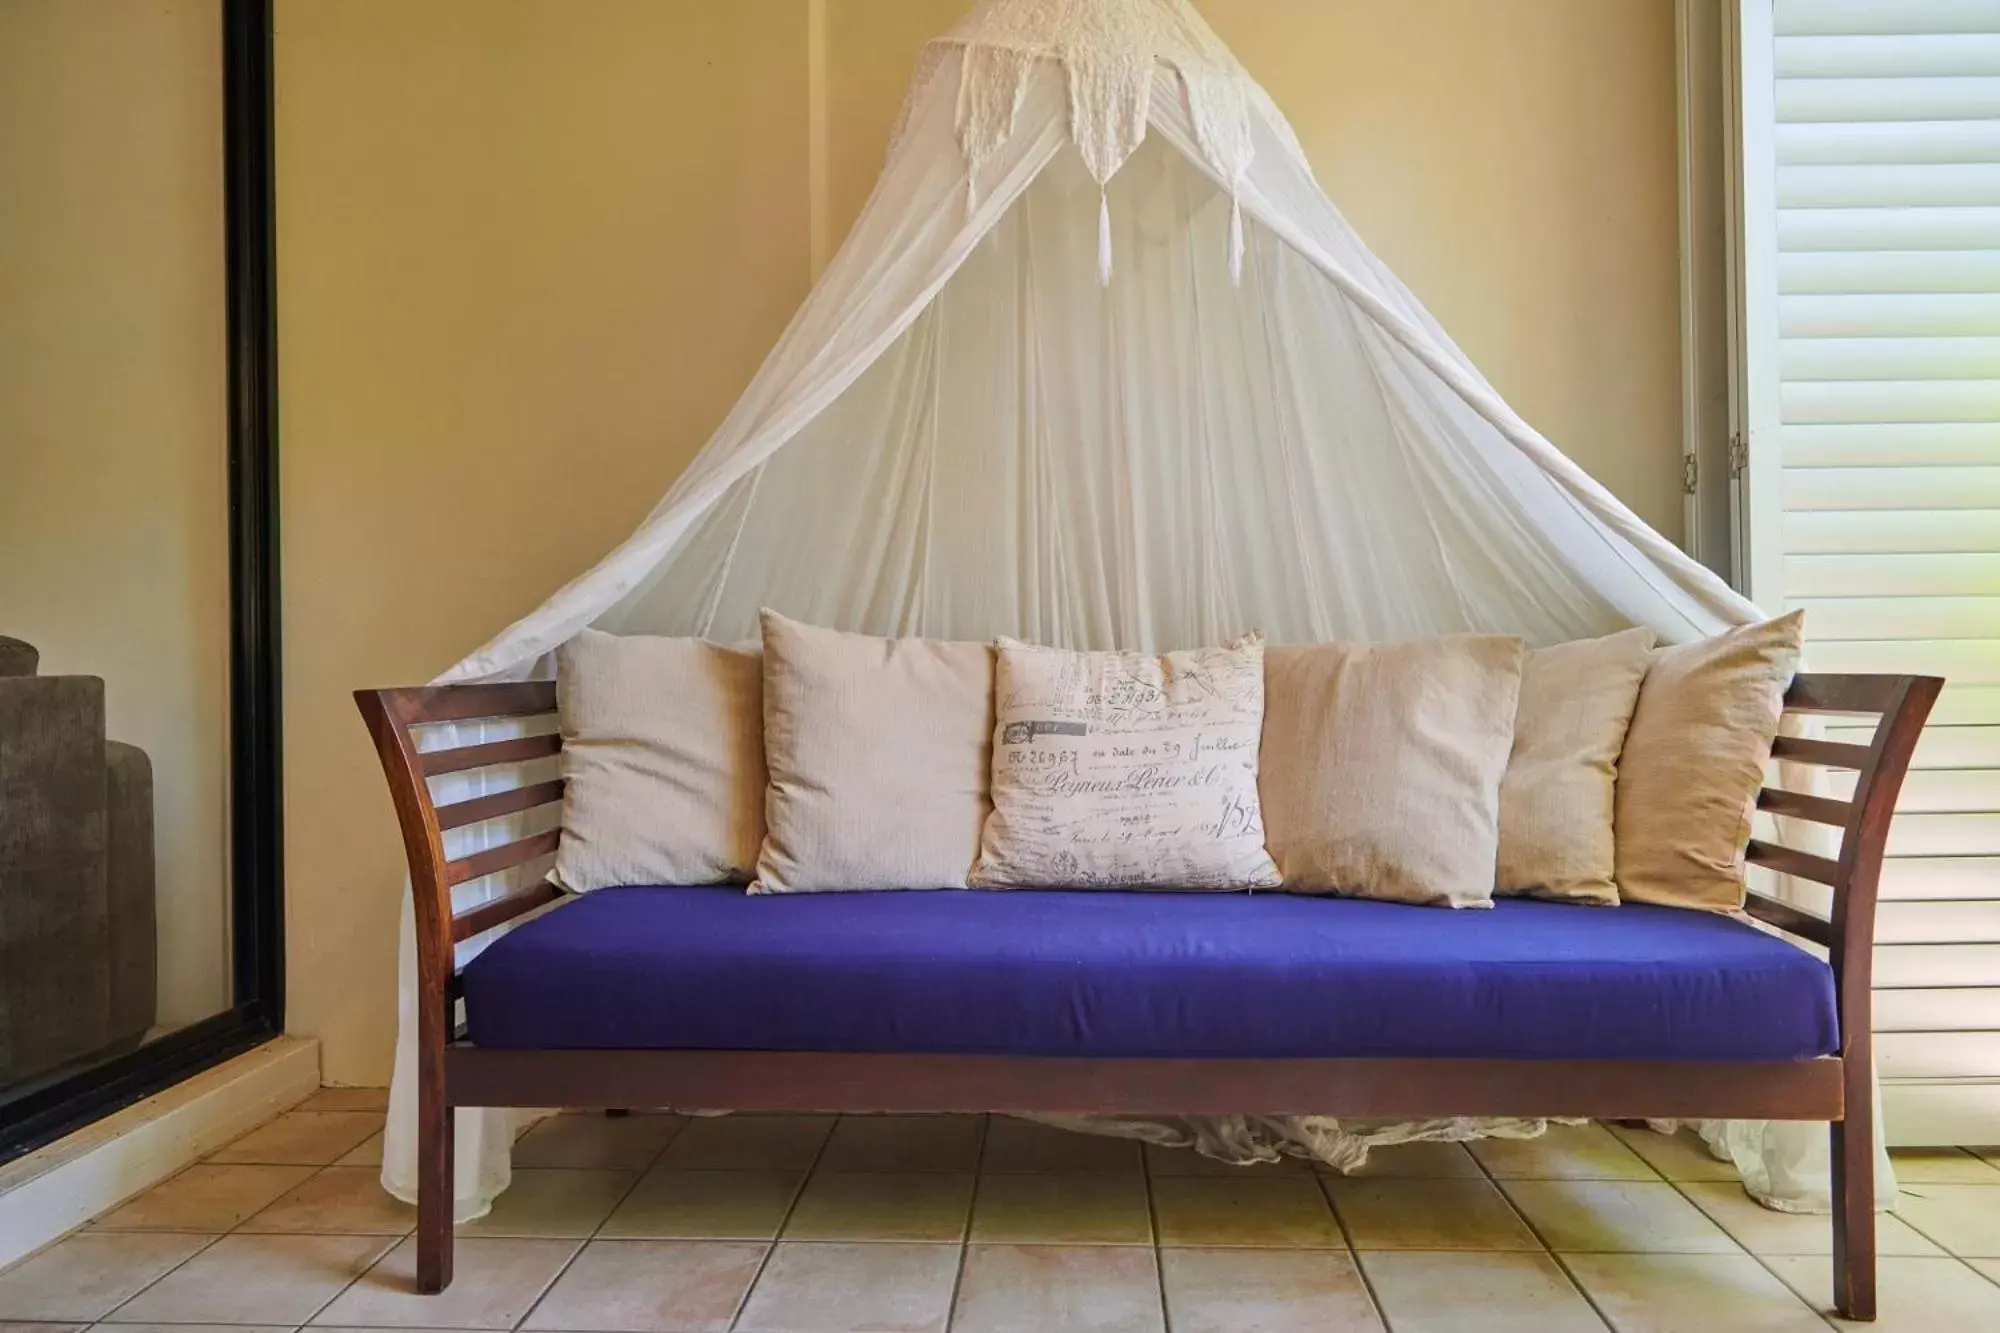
pixel 1942 1112
pixel 59 1187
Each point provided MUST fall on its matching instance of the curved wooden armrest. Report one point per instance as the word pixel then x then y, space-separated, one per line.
pixel 392 716
pixel 1900 704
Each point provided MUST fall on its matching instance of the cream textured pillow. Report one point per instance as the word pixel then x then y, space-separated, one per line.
pixel 1694 759
pixel 877 750
pixel 662 760
pixel 1382 765
pixel 1126 770
pixel 1558 799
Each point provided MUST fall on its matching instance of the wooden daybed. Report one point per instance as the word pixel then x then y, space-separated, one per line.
pixel 1832 1084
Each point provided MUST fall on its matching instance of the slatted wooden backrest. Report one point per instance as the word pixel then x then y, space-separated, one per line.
pixel 391 716
pixel 1901 704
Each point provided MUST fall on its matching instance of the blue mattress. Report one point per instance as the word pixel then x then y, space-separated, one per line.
pixel 1145 974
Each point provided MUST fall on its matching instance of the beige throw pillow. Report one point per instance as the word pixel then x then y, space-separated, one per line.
pixel 1382 765
pixel 1126 770
pixel 662 760
pixel 1694 759
pixel 877 750
pixel 1558 799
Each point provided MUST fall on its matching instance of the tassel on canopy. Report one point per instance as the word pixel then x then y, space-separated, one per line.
pixel 1103 237
pixel 1235 241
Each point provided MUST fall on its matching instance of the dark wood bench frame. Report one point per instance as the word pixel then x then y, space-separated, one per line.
pixel 1835 1088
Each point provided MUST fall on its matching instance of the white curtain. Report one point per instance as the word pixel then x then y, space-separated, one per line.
pixel 965 433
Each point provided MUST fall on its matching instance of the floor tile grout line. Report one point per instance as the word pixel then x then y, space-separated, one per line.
pixel 1917 1227
pixel 971 1210
pixel 282 1325
pixel 393 1244
pixel 651 1161
pixel 778 1233
pixel 211 1159
pixel 93 1224
pixel 1945 1250
pixel 596 1230
pixel 542 1293
pixel 1543 1241
pixel 317 1172
pixel 185 1260
pixel 1763 1261
pixel 118 1207
pixel 1153 1226
pixel 819 1162
pixel 373 1264
pixel 215 1238
pixel 1829 1317
pixel 1354 1255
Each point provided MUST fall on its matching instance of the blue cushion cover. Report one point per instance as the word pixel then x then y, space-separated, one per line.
pixel 1050 973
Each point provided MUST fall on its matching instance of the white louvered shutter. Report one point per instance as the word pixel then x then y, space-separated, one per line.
pixel 1870 291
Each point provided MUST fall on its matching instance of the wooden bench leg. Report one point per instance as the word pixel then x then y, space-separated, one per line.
pixel 1854 1207
pixel 435 1153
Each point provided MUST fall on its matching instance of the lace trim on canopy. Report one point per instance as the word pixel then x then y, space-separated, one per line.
pixel 1110 52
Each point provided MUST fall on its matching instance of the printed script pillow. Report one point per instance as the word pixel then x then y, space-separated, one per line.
pixel 1126 770
pixel 877 750
pixel 1694 759
pixel 1382 766
pixel 662 761
pixel 1558 800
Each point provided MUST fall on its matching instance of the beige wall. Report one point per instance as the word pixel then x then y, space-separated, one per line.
pixel 1515 165
pixel 113 520
pixel 530 250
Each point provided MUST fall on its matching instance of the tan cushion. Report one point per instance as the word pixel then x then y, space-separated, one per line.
pixel 878 751
pixel 1382 765
pixel 1558 799
pixel 1126 770
pixel 663 761
pixel 1693 761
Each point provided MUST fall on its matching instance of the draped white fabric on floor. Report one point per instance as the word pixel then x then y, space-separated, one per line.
pixel 1092 387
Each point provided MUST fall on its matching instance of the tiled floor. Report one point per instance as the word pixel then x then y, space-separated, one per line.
pixel 899 1224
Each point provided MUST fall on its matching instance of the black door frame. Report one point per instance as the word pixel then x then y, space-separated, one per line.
pixel 256 782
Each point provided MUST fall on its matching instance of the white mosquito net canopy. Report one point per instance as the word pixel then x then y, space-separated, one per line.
pixel 1100 365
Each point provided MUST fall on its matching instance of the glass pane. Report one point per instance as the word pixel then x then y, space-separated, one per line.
pixel 114 594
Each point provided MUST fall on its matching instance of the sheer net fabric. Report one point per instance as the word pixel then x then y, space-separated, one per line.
pixel 1150 456
pixel 1160 463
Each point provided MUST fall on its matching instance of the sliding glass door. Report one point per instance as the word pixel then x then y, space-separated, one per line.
pixel 139 869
